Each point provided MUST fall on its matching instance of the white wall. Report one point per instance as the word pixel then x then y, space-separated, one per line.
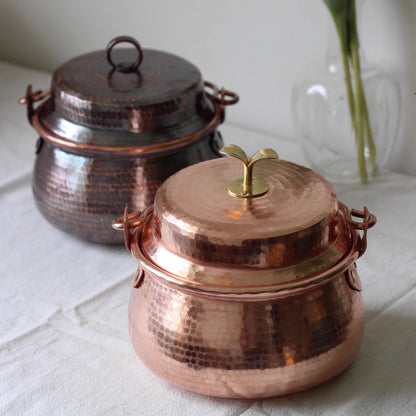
pixel 255 48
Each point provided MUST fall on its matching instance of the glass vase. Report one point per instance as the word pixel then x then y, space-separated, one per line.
pixel 322 119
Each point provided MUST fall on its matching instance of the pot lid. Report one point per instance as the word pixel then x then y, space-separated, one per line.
pixel 128 96
pixel 205 233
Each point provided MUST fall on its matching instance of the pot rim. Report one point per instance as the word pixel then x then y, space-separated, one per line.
pixel 350 256
pixel 131 150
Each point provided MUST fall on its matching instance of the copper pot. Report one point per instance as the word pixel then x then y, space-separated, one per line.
pixel 111 133
pixel 246 287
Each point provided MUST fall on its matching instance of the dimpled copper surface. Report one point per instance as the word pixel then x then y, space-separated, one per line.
pixel 165 93
pixel 197 223
pixel 246 346
pixel 117 123
pixel 82 195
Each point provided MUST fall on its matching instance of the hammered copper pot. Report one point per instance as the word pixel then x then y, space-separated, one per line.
pixel 246 287
pixel 111 133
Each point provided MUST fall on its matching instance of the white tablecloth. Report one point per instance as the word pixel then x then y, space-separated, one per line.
pixel 64 345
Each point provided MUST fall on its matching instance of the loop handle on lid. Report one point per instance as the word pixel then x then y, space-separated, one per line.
pixel 124 67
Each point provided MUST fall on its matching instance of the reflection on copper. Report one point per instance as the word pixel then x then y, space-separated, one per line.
pixel 112 151
pixel 224 230
pixel 242 307
pixel 246 348
pixel 93 191
pixel 123 120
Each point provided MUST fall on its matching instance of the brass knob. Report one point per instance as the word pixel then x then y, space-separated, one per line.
pixel 248 187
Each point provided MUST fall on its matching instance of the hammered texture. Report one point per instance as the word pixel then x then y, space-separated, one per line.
pixel 82 195
pixel 195 218
pixel 246 346
pixel 165 93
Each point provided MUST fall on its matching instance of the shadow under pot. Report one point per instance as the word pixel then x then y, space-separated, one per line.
pixel 113 126
pixel 246 287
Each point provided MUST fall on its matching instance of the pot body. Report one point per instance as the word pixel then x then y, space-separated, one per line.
pixel 113 126
pixel 81 194
pixel 247 345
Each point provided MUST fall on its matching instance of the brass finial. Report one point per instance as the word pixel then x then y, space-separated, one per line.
pixel 248 187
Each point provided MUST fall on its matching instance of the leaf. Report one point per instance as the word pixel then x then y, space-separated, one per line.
pixel 341 11
pixel 263 154
pixel 339 8
pixel 235 151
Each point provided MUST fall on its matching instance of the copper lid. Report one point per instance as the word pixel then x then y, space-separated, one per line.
pixel 126 97
pixel 201 234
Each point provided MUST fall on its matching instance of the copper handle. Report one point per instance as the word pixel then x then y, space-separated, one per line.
pixel 129 222
pixel 30 98
pixel 353 279
pixel 138 278
pixel 369 220
pixel 221 96
pixel 123 66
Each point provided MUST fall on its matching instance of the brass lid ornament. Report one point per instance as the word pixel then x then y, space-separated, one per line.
pixel 248 186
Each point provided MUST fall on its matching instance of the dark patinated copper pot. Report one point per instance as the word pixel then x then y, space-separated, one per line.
pixel 111 133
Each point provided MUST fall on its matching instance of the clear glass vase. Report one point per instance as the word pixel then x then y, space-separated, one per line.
pixel 323 122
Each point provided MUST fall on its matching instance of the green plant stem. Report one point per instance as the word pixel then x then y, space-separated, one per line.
pixel 355 58
pixel 359 111
pixel 342 35
pixel 344 16
pixel 370 142
pixel 354 100
pixel 362 112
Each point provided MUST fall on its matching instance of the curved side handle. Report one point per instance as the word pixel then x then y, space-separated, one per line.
pixel 353 279
pixel 138 278
pixel 369 220
pixel 220 97
pixel 30 98
pixel 130 222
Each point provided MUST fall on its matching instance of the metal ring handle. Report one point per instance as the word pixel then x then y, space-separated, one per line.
pixel 30 98
pixel 128 222
pixel 124 67
pixel 214 89
pixel 369 220
pixel 219 95
pixel 233 97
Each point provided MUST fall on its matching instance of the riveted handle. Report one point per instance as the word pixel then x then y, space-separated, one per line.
pixel 123 66
pixel 248 186
pixel 30 98
pixel 129 222
pixel 369 220
pixel 353 279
